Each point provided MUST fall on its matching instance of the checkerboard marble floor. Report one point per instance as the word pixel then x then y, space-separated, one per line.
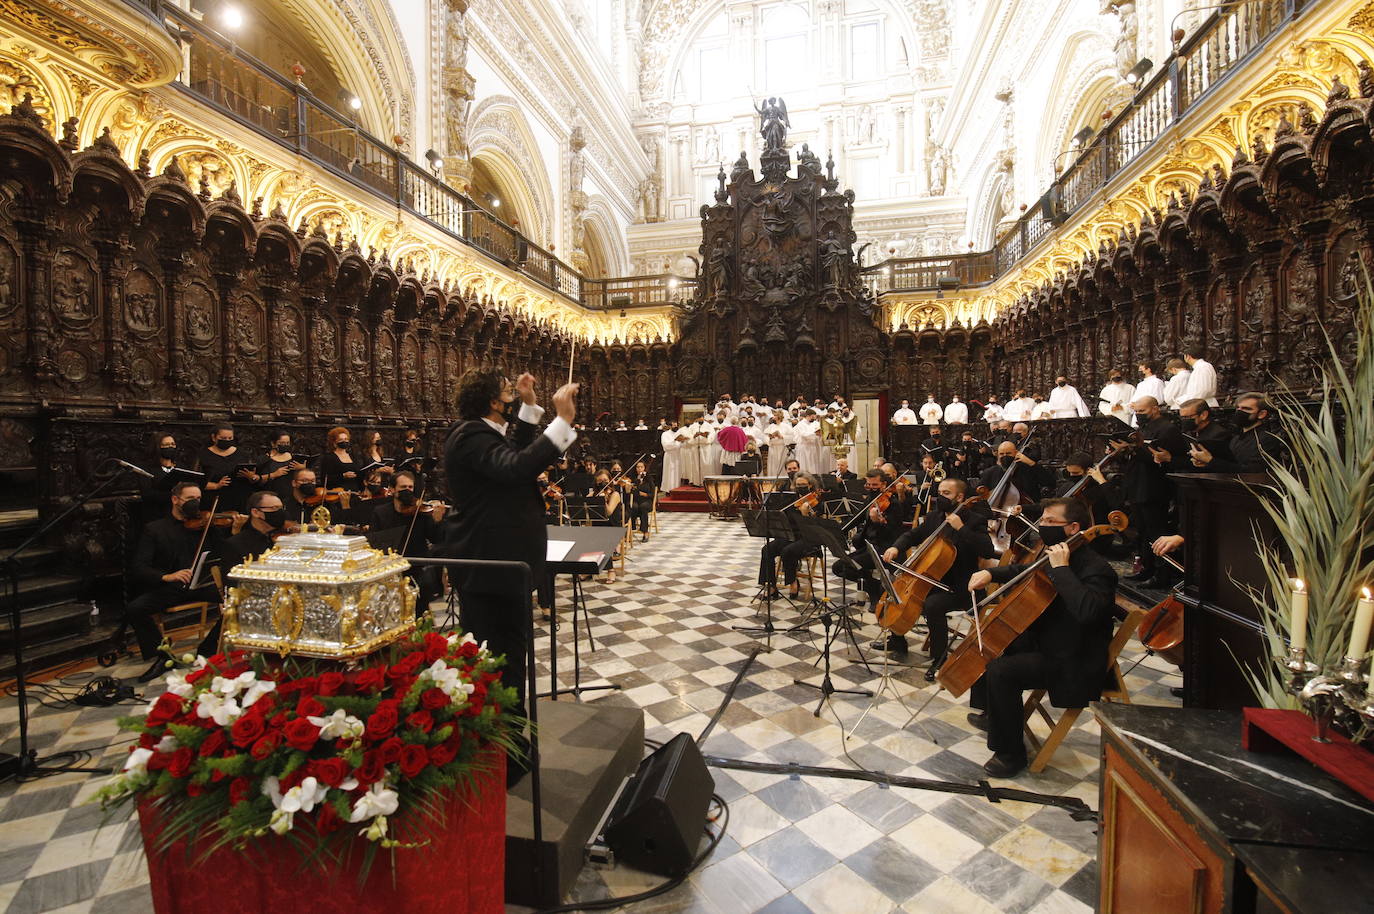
pixel 794 844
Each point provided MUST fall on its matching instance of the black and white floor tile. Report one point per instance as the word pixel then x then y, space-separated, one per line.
pixel 664 633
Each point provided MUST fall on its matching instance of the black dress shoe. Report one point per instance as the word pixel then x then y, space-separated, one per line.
pixel 930 673
pixel 161 664
pixel 979 719
pixel 1177 691
pixel 1003 765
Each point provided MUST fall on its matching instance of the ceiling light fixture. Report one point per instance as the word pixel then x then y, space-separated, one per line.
pixel 1136 74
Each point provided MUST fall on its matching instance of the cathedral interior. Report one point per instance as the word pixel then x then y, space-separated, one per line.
pixel 312 214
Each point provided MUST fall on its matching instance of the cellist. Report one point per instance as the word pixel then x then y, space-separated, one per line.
pixel 969 533
pixel 1064 650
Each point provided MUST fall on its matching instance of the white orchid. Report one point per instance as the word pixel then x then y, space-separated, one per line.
pixel 448 681
pixel 377 830
pixel 257 690
pixel 464 638
pixel 281 821
pixel 177 685
pixel 230 688
pixel 137 762
pixel 379 800
pixel 168 743
pixel 304 797
pixel 339 725
pixel 223 711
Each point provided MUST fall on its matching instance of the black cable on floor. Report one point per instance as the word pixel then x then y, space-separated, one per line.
pixel 729 694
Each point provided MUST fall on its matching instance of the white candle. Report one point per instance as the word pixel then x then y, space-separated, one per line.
pixel 1298 625
pixel 1359 632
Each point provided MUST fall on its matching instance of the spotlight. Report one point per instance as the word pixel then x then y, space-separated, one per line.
pixel 436 161
pixel 1081 137
pixel 231 17
pixel 349 100
pixel 495 201
pixel 1137 73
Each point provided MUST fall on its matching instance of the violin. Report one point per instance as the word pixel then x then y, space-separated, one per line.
pixel 290 526
pixel 211 519
pixel 552 494
pixel 1018 603
pixel 421 507
pixel 328 496
pixel 808 502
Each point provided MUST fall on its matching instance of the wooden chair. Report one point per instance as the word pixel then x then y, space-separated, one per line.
pixel 653 514
pixel 1068 716
pixel 203 622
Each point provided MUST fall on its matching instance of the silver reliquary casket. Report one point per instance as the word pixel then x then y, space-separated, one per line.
pixel 319 594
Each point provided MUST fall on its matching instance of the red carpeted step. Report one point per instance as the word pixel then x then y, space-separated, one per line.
pixel 685 500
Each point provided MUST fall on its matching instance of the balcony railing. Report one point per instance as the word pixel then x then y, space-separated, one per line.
pixel 1226 40
pixel 220 74
pixel 636 291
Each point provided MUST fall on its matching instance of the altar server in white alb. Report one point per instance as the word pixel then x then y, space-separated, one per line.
pixel 808 434
pixel 1116 398
pixel 778 435
pixel 671 441
pixel 1176 388
pixel 993 411
pixel 956 413
pixel 710 446
pixel 691 451
pixel 1018 408
pixel 1065 401
pixel 904 415
pixel 1150 385
pixel 931 413
pixel 1202 384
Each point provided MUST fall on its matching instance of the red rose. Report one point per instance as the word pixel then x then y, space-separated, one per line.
pixel 277 721
pixel 410 663
pixel 180 763
pixel 308 686
pixel 247 729
pixel 383 720
pixel 302 734
pixel 194 790
pixel 330 771
pixel 264 706
pixel 197 675
pixel 158 761
pixel 310 707
pixel 239 789
pixel 469 649
pixel 436 646
pixel 371 680
pixel 331 683
pixel 216 776
pixel 421 720
pixel 390 751
pixel 413 760
pixel 264 747
pixel 165 709
pixel 146 741
pixel 372 769
pixel 215 742
pixel 442 754
pixel 434 699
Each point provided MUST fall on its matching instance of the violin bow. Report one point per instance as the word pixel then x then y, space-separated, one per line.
pixel 414 517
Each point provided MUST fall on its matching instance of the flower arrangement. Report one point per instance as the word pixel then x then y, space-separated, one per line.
pixel 241 746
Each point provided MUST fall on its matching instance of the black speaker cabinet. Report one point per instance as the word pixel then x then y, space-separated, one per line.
pixel 657 822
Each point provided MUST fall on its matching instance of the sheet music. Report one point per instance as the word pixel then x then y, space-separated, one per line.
pixel 197 570
pixel 558 550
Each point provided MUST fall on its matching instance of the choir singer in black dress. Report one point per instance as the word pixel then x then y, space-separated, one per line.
pixel 499 509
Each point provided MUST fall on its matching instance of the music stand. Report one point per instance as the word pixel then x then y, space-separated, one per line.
pixel 768 525
pixel 884 578
pixel 815 530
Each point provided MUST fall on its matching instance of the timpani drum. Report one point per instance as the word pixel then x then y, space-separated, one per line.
pixel 722 492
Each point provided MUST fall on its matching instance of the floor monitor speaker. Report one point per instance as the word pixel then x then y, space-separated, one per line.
pixel 657 823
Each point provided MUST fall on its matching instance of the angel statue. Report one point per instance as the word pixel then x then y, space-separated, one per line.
pixel 773 124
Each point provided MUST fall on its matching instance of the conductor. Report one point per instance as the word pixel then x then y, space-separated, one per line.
pixel 493 480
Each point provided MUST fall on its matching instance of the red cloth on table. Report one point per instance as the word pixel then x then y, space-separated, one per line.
pixel 460 871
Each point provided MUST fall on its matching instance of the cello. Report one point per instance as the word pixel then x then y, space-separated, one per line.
pixel 1161 631
pixel 920 574
pixel 1014 606
pixel 998 499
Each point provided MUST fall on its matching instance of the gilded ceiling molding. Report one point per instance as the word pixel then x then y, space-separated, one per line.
pixel 499 131
pixel 113 40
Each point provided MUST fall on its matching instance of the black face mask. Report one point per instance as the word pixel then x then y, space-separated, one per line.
pixel 190 507
pixel 406 497
pixel 274 519
pixel 376 488
pixel 308 489
pixel 1005 461
pixel 344 445
pixel 1188 424
pixel 1061 383
pixel 1052 536
pixel 411 443
pixel 224 443
pixel 282 448
pixel 511 411
pixel 944 504
pixel 1116 380
pixel 802 490
pixel 167 453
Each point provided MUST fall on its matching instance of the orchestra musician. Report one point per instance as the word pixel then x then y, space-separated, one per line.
pixel 492 479
pixel 790 551
pixel 1064 650
pixel 161 571
pixel 842 471
pixel 607 490
pixel 275 468
pixel 934 444
pixel 880 527
pixel 641 500
pixel 1025 477
pixel 969 534
pixel 266 516
pixel 405 511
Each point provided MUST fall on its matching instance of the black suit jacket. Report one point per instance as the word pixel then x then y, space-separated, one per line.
pixel 499 510
pixel 166 546
pixel 971 543
pixel 1075 629
pixel 237 548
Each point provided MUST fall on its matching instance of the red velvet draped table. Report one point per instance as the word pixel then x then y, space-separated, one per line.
pixel 460 870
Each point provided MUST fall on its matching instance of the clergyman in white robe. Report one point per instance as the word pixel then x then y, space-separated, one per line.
pixel 778 436
pixel 691 452
pixel 672 459
pixel 956 413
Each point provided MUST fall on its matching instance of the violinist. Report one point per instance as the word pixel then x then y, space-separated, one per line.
pixel 420 522
pixel 274 470
pixel 1064 650
pixel 226 476
pixel 791 552
pixel 553 503
pixel 881 526
pixel 161 571
pixel 337 466
pixel 968 530
pixel 641 500
pixel 266 516
pixel 304 495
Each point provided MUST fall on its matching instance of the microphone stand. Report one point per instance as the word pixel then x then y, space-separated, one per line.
pixel 28 764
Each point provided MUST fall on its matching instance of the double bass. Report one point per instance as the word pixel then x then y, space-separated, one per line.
pixel 1002 498
pixel 921 573
pixel 1014 606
